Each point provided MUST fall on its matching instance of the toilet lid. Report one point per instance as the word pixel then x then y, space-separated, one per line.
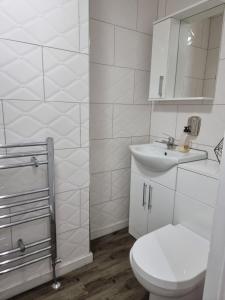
pixel 172 257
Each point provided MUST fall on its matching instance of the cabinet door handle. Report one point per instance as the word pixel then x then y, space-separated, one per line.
pixel 150 198
pixel 144 194
pixel 161 79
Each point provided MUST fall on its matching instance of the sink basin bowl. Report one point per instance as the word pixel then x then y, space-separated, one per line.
pixel 158 158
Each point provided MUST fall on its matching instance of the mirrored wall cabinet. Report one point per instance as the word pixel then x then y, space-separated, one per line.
pixel 185 53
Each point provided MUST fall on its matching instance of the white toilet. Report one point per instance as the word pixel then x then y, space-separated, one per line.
pixel 171 263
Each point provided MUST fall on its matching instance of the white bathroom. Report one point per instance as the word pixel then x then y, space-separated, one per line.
pixel 112 170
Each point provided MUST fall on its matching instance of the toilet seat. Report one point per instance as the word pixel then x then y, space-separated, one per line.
pixel 172 258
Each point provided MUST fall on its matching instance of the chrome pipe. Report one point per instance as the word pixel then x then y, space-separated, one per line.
pixel 25 154
pixel 22 212
pixel 21 165
pixel 21 203
pixel 24 193
pixel 26 247
pixel 24 221
pixel 25 264
pixel 51 184
pixel 23 145
pixel 5 262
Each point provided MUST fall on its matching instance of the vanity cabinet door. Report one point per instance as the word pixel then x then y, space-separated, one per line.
pixel 138 219
pixel 160 205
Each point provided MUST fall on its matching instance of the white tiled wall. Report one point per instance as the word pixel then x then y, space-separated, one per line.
pixel 44 91
pixel 121 37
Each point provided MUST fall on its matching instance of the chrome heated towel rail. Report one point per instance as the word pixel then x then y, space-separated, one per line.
pixel 27 254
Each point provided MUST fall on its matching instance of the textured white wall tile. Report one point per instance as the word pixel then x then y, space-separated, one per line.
pixel 140 140
pixel 132 49
pixel 141 90
pixel 5 238
pixel 101 121
pixel 65 76
pixel 163 120
pixel 71 169
pixel 213 122
pixel 2 134
pixel 73 244
pixel 37 230
pixel 22 178
pixel 84 208
pixel 31 120
pixel 84 125
pixel 84 25
pixel 131 120
pixel 111 84
pixel 121 183
pixel 110 154
pixel 102 42
pixel 100 188
pixel 108 214
pixel 162 8
pixel 28 84
pixel 51 23
pixel 147 14
pixel 119 12
pixel 68 211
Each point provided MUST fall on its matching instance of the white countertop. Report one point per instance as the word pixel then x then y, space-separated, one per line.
pixel 205 167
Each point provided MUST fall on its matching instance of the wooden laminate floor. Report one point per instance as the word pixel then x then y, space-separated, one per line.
pixel 108 277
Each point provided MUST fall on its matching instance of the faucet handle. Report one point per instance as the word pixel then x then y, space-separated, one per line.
pixel 170 138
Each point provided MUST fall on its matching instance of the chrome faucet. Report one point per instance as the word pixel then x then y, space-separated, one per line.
pixel 170 142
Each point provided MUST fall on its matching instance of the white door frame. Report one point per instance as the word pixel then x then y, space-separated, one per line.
pixel 215 276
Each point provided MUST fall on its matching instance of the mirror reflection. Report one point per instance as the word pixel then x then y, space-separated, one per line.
pixel 198 55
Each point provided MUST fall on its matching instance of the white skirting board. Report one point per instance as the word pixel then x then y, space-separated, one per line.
pixel 108 229
pixel 66 268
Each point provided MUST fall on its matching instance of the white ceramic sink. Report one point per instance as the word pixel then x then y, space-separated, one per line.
pixel 158 158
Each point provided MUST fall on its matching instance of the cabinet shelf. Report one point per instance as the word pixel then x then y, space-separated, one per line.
pixel 181 99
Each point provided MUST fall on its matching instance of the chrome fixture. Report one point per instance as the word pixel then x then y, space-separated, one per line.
pixel 49 247
pixel 170 142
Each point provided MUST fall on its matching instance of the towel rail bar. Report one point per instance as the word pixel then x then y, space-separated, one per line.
pixel 21 203
pixel 19 145
pixel 23 212
pixel 27 246
pixel 6 262
pixel 22 165
pixel 25 154
pixel 24 194
pixel 25 264
pixel 24 221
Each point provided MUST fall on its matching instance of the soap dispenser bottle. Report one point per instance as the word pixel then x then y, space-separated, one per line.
pixel 185 140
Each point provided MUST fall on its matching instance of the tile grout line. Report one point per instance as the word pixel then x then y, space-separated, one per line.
pixel 121 27
pixel 42 45
pixel 79 25
pixel 119 67
pixel 43 74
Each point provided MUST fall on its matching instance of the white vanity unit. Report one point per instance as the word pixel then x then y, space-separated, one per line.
pixel 195 197
pixel 153 185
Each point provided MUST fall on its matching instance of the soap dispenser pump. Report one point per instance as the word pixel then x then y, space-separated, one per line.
pixel 185 140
